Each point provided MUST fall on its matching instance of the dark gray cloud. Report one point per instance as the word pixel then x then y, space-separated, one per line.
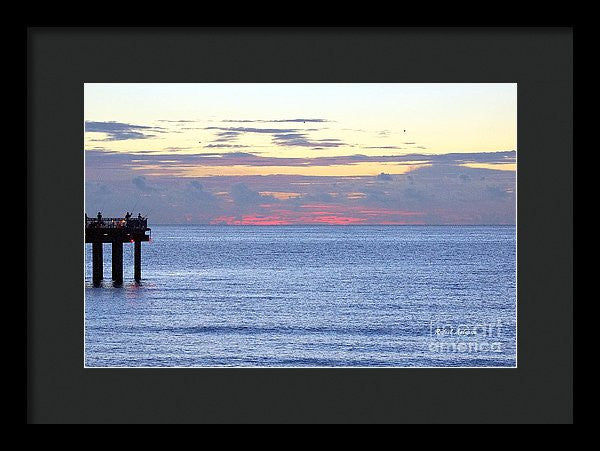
pixel 302 140
pixel 108 159
pixel 508 156
pixel 273 121
pixel 320 197
pixel 285 137
pixel 196 184
pixel 119 131
pixel 227 136
pixel 252 129
pixel 384 177
pixel 200 194
pixel 225 146
pixel 98 189
pixel 496 192
pixel 104 190
pixel 314 197
pixel 416 194
pixel 239 154
pixel 140 183
pixel 244 196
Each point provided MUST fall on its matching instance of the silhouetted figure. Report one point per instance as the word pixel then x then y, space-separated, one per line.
pixel 139 216
pixel 128 215
pixel 99 216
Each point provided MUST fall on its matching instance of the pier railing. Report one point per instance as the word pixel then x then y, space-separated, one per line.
pixel 117 223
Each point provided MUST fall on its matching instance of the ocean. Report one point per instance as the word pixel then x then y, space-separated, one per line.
pixel 308 296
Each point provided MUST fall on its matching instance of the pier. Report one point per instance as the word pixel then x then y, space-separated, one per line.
pixel 116 231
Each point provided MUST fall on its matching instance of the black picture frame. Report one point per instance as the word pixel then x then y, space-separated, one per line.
pixel 60 390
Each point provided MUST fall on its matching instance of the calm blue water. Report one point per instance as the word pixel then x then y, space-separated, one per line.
pixel 309 296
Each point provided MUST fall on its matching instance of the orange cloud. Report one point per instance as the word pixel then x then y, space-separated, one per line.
pixel 279 194
pixel 360 169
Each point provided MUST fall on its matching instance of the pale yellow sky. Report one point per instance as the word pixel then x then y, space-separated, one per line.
pixel 369 119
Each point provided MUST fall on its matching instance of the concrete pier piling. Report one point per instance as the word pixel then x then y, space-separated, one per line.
pixel 117 262
pixel 116 231
pixel 137 261
pixel 97 263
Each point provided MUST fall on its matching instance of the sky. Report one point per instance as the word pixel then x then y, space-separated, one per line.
pixel 277 154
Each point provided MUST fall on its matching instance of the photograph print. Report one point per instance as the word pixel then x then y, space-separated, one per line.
pixel 311 225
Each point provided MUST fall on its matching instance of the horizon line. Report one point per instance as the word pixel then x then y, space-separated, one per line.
pixel 332 225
